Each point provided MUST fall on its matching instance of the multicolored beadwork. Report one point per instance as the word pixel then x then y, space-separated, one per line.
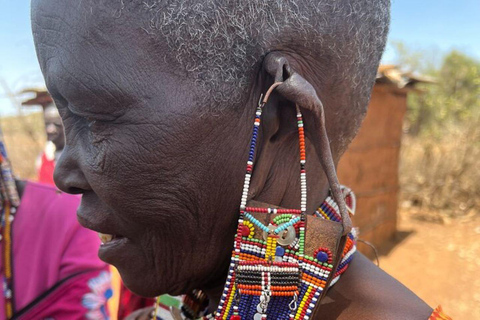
pixel 9 202
pixel 270 274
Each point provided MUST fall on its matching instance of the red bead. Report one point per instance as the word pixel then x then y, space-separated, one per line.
pixel 245 231
pixel 234 317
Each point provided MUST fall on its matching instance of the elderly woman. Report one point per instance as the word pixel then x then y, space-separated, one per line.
pixel 159 100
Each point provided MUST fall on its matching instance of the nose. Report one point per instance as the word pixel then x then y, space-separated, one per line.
pixel 51 128
pixel 68 175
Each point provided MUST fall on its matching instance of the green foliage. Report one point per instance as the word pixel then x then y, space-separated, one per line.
pixel 452 99
pixel 439 171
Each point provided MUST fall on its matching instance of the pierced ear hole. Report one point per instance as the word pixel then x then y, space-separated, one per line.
pixel 286 71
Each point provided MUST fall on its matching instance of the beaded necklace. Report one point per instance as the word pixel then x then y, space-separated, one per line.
pixel 9 202
pixel 274 273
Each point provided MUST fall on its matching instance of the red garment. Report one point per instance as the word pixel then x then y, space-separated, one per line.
pixel 130 302
pixel 45 172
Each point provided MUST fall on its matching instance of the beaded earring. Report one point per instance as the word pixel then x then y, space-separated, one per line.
pixel 275 273
pixel 270 277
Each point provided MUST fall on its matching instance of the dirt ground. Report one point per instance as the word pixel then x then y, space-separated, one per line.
pixel 439 262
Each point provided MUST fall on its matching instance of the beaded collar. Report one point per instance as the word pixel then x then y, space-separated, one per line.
pixel 275 273
pixel 194 303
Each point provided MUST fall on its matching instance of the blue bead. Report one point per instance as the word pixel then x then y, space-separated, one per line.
pixel 279 252
pixel 322 256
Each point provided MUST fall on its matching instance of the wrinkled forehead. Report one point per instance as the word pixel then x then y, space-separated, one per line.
pixel 85 48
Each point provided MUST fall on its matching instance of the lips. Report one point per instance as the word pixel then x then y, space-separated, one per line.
pixel 93 214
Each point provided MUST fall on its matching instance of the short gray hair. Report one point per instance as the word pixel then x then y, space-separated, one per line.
pixel 219 42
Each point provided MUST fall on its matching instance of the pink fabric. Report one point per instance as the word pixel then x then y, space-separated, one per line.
pixel 66 302
pixel 48 243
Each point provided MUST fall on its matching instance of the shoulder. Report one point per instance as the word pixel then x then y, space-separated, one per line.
pixel 367 292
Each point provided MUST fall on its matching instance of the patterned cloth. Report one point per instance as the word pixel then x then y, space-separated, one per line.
pixel 329 211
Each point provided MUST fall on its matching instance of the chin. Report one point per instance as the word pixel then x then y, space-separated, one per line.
pixel 140 284
pixel 145 284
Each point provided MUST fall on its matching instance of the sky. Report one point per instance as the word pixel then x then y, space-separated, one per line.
pixel 433 25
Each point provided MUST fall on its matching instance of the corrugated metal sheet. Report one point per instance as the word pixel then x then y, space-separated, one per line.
pixel 392 74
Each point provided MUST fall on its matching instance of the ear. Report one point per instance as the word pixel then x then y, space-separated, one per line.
pixel 277 144
pixel 295 90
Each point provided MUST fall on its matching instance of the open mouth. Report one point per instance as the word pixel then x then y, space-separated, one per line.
pixel 108 238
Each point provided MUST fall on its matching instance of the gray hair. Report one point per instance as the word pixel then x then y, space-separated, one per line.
pixel 219 42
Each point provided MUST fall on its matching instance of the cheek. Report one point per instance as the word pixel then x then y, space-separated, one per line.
pixel 138 169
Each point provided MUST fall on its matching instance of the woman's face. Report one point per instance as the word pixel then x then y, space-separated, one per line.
pixel 157 170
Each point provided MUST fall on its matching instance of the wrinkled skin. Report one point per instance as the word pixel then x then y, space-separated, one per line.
pixel 161 170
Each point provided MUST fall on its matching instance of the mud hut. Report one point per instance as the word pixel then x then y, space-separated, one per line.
pixel 370 165
pixel 40 97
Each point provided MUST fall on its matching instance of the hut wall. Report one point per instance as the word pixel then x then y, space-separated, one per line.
pixel 370 165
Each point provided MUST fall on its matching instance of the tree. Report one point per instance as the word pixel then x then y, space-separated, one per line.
pixel 454 98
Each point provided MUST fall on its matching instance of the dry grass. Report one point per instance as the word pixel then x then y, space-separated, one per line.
pixel 440 177
pixel 24 138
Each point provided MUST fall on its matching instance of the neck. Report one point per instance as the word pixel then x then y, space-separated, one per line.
pixel 214 294
pixel 276 178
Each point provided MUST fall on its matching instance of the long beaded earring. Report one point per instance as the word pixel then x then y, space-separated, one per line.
pixel 268 278
pixel 274 272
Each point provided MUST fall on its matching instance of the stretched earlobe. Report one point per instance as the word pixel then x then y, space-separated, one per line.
pixel 276 64
pixel 299 91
